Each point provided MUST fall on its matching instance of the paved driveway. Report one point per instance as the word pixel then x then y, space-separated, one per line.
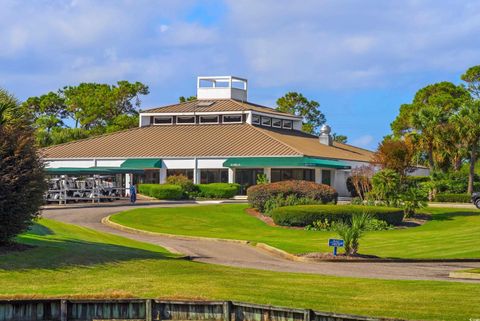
pixel 246 256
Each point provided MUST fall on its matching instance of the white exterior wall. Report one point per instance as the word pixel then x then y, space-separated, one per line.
pixel 81 163
pixel 110 162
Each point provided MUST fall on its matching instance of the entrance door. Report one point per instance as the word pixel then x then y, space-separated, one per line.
pixel 247 177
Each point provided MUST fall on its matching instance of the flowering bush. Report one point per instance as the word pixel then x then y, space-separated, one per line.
pixel 258 195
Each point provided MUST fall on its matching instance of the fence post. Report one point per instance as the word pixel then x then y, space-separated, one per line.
pixel 227 315
pixel 307 315
pixel 148 310
pixel 63 310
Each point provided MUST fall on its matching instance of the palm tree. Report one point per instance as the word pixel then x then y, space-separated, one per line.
pixel 467 122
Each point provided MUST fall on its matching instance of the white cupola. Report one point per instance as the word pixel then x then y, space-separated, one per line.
pixel 222 87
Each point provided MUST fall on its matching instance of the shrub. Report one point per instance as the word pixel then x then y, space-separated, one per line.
pixel 218 190
pixel 386 186
pixel 303 215
pixel 352 231
pixel 183 181
pixel 453 198
pixel 412 200
pixel 161 191
pixel 280 200
pixel 258 195
pixel 22 183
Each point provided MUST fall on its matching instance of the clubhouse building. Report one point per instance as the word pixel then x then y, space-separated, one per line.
pixel 220 137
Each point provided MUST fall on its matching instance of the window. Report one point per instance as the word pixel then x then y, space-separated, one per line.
pixel 286 174
pixel 185 119
pixel 208 176
pixel 326 177
pixel 209 119
pixel 255 119
pixel 266 121
pixel 276 123
pixel 232 118
pixel 185 172
pixel 287 124
pixel 162 120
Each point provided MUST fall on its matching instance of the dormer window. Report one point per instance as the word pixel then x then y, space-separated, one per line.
pixel 255 119
pixel 209 119
pixel 162 120
pixel 266 121
pixel 185 120
pixel 232 119
pixel 287 124
pixel 277 123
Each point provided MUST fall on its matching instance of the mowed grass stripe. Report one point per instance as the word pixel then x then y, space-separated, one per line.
pixel 452 233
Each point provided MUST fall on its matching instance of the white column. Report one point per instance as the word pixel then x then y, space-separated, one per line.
pixel 127 184
pixel 196 172
pixel 268 172
pixel 163 175
pixel 318 175
pixel 231 175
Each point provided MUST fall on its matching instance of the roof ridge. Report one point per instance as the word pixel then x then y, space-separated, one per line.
pixel 277 140
pixel 170 105
pixel 93 137
pixel 367 150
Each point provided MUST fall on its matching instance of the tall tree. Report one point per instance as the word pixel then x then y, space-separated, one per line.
pixel 395 154
pixel 184 99
pixel 340 138
pixel 295 103
pixel 92 108
pixel 21 171
pixel 467 120
pixel 427 116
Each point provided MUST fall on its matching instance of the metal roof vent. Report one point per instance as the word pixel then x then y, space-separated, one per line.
pixel 205 103
pixel 325 135
pixel 221 87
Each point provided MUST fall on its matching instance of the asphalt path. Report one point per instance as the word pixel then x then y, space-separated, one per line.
pixel 248 256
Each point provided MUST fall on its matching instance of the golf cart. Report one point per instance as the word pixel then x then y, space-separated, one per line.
pixel 476 199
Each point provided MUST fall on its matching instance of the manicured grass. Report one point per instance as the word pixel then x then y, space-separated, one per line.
pixel 452 233
pixel 77 262
pixel 473 271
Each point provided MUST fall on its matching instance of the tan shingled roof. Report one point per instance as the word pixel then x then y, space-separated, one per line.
pixel 175 141
pixel 219 105
pixel 203 141
pixel 309 145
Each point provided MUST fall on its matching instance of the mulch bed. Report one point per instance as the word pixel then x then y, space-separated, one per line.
pixel 14 247
pixel 340 257
pixel 267 219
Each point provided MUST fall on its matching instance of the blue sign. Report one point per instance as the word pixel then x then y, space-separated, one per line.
pixel 336 243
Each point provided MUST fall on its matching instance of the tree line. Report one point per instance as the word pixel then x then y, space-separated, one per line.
pixel 75 112
pixel 440 129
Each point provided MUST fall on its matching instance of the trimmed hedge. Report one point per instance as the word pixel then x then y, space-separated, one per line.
pixel 218 190
pixel 161 191
pixel 303 215
pixel 259 194
pixel 453 198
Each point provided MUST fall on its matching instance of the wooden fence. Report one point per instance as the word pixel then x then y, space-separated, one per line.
pixel 149 310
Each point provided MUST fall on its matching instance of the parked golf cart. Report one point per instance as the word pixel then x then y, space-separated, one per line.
pixel 476 199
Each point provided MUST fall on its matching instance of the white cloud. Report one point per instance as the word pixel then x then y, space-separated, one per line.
pixel 364 141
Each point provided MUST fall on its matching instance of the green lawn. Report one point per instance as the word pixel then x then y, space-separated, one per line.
pixel 452 233
pixel 74 261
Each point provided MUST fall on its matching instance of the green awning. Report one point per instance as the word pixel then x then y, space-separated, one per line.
pixel 92 170
pixel 284 162
pixel 142 163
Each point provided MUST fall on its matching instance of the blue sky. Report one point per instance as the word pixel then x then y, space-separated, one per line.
pixel 360 59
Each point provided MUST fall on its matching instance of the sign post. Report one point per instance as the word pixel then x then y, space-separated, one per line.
pixel 335 243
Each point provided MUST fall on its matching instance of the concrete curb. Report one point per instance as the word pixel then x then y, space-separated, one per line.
pixel 464 275
pixel 106 221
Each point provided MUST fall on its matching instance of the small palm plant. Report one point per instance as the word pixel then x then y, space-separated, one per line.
pixel 352 231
